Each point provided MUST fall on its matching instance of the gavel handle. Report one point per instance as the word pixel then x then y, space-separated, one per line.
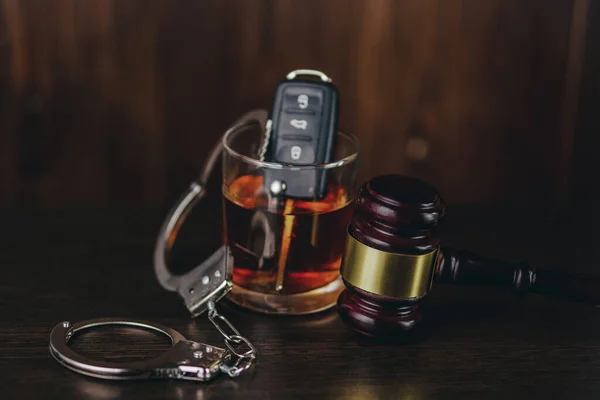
pixel 461 267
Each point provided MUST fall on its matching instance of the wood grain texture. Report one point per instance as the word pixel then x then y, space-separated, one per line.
pixel 76 265
pixel 112 102
pixel 587 141
pixel 568 118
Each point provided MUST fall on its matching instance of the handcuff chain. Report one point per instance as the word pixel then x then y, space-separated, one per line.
pixel 243 360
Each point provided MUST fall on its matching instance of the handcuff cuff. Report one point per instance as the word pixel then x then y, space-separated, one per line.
pixel 201 288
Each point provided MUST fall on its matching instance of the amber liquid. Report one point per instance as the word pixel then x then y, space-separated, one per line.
pixel 284 246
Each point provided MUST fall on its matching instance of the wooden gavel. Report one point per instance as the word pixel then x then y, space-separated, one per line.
pixel 393 257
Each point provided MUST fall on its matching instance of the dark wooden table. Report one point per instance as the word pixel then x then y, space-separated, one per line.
pixel 79 264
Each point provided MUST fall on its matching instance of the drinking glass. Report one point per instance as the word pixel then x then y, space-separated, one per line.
pixel 285 251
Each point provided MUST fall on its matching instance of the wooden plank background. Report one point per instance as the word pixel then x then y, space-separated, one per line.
pixel 107 102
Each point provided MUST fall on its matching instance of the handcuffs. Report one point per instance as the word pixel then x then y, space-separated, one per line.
pixel 200 289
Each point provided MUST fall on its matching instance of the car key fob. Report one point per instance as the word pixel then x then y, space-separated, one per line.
pixel 301 131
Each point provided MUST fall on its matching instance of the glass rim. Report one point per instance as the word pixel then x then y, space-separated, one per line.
pixel 290 167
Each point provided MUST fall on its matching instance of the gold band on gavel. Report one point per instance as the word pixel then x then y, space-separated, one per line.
pixel 387 274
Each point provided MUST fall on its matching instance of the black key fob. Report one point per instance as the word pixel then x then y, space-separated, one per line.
pixel 301 130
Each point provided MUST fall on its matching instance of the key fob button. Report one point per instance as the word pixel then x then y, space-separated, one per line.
pixel 303 100
pixel 296 154
pixel 301 124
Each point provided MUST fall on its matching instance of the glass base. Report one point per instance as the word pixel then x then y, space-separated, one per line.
pixel 310 302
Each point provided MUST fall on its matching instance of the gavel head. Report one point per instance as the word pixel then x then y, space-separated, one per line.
pixel 390 255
